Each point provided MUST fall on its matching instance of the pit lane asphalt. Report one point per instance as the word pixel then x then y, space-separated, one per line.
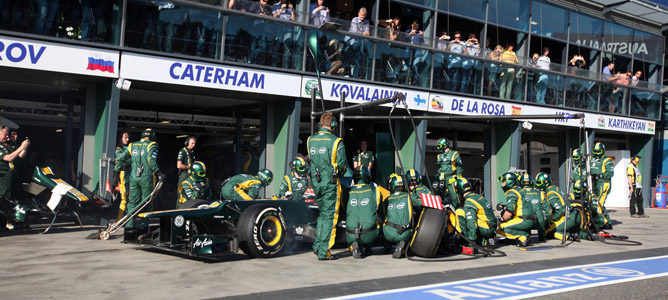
pixel 64 264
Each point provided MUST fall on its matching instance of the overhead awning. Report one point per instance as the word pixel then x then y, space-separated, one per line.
pixel 650 11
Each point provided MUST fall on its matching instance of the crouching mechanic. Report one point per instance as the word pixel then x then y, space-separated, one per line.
pixel 398 208
pixel 245 186
pixel 196 186
pixel 415 185
pixel 476 217
pixel 540 208
pixel 558 206
pixel 362 213
pixel 592 216
pixel 516 212
pixel 143 158
pixel 296 183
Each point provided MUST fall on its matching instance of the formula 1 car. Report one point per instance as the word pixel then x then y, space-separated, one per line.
pixel 260 228
pixel 64 200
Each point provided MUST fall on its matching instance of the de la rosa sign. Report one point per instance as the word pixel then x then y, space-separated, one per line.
pixel 44 56
pixel 192 73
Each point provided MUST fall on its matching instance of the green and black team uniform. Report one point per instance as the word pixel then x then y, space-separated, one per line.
pixel 245 186
pixel 519 225
pixel 123 181
pixel 476 217
pixel 398 208
pixel 541 208
pixel 602 170
pixel 196 186
pixel 362 213
pixel 363 159
pixel 593 220
pixel 143 158
pixel 186 157
pixel 450 165
pixel 328 163
pixel 578 169
pixel 295 184
pixel 557 214
pixel 6 170
pixel 415 185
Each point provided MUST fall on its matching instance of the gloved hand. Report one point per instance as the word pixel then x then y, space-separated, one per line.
pixel 116 179
pixel 161 176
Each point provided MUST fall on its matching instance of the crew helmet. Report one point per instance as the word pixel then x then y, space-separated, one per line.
pixel 265 176
pixel 396 183
pixel 442 144
pixel 413 177
pixel 543 180
pixel 299 166
pixel 198 170
pixel 510 179
pixel 599 149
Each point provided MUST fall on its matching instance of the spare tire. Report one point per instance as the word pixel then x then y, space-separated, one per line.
pixel 195 203
pixel 428 233
pixel 261 231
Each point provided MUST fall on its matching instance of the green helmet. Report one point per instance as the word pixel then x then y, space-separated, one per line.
pixel 299 166
pixel 148 133
pixel 413 177
pixel 510 179
pixel 462 185
pixel 525 180
pixel 198 170
pixel 579 188
pixel 543 181
pixel 599 149
pixel 396 183
pixel 577 156
pixel 442 144
pixel 265 176
pixel 363 175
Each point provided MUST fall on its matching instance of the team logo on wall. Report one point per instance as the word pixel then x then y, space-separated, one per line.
pixel 517 110
pixel 437 103
pixel 600 121
pixel 311 85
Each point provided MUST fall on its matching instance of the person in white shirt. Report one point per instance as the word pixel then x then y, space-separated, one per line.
pixel 319 13
pixel 543 62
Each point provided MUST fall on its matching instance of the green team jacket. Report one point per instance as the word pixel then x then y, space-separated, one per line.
pixel 556 200
pixel 578 172
pixel 295 185
pixel 243 185
pixel 6 166
pixel 327 154
pixel 193 189
pixel 399 208
pixel 518 205
pixel 363 159
pixel 479 213
pixel 450 163
pixel 187 158
pixel 141 154
pixel 532 196
pixel 126 167
pixel 603 166
pixel 419 189
pixel 362 208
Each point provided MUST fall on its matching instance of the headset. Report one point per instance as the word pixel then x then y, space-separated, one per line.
pixel 190 137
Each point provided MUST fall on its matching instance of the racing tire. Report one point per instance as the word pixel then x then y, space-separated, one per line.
pixel 195 203
pixel 428 232
pixel 261 231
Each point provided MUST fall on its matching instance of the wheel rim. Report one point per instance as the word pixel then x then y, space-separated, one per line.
pixel 271 231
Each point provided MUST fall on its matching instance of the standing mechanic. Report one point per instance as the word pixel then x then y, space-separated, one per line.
pixel 476 217
pixel 245 186
pixel 557 214
pixel 516 212
pixel 296 183
pixel 635 185
pixel 143 158
pixel 362 213
pixel 397 228
pixel 196 186
pixel 186 158
pixel 124 174
pixel 363 158
pixel 8 156
pixel 602 170
pixel 450 164
pixel 328 163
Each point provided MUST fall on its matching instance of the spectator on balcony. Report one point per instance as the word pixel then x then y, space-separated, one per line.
pixel 393 26
pixel 360 24
pixel 636 78
pixel 455 62
pixel 417 56
pixel 236 4
pixel 607 72
pixel 443 41
pixel 334 59
pixel 492 79
pixel 171 17
pixel 543 62
pixel 46 16
pixel 262 8
pixel 319 13
pixel 577 62
pixel 283 10
pixel 470 67
pixel 507 76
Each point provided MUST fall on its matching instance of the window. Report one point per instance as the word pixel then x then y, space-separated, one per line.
pixel 511 13
pixel 649 47
pixel 617 39
pixel 468 8
pixel 586 30
pixel 549 21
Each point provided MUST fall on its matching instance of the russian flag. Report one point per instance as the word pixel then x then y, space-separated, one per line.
pixel 100 64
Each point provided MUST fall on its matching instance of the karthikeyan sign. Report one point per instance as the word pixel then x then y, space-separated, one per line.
pixel 43 56
pixel 208 75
